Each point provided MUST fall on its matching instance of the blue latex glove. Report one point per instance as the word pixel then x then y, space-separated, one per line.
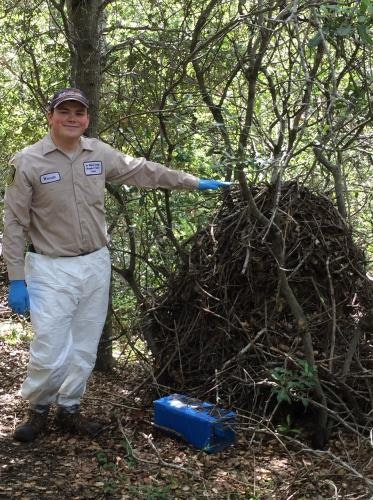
pixel 212 184
pixel 18 298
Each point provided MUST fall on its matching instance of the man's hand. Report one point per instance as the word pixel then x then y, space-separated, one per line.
pixel 212 184
pixel 18 298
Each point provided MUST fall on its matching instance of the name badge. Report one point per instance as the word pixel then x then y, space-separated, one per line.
pixel 51 177
pixel 92 167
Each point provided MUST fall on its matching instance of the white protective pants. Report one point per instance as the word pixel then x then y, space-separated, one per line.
pixel 68 306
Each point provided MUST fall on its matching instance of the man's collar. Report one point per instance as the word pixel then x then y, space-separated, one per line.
pixel 86 143
pixel 49 145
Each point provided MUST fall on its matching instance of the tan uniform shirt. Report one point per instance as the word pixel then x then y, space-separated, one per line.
pixel 58 203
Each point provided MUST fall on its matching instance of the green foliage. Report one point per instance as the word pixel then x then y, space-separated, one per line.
pixel 110 484
pixel 110 487
pixel 287 427
pixel 149 492
pixel 34 61
pixel 294 385
pixel 14 332
pixel 130 458
pixel 237 496
pixel 115 481
pixel 101 457
pixel 345 20
pixel 189 87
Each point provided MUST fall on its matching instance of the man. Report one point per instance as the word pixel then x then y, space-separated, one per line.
pixel 56 203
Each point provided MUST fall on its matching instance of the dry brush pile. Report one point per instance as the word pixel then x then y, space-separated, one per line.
pixel 223 327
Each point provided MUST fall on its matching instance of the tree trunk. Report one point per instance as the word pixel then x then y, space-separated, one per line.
pixel 86 20
pixel 105 360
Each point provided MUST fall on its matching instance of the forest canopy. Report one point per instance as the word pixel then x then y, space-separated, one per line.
pixel 248 91
pixel 263 87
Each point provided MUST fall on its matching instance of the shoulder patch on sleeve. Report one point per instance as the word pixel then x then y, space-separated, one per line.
pixel 10 173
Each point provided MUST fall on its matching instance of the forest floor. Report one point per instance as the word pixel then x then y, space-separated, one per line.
pixel 131 459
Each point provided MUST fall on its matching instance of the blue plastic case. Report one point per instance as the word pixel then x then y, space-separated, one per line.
pixel 204 425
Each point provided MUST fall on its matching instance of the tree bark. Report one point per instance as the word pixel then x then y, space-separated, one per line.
pixel 105 360
pixel 338 177
pixel 85 24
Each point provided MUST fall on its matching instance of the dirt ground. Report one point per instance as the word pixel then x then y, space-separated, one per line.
pixel 131 459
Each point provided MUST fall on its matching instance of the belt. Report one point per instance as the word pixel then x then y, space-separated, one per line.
pixel 31 249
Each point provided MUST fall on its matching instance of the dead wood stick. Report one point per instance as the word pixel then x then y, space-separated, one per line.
pixel 334 316
pixel 335 459
pixel 350 354
pixel 244 350
pixel 162 462
pixel 112 403
pixel 320 453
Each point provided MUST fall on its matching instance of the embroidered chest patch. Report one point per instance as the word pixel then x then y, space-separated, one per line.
pixel 92 167
pixel 51 177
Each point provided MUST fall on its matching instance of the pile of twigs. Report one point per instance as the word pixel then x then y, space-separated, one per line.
pixel 223 329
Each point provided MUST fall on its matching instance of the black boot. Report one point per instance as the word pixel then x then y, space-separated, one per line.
pixel 35 424
pixel 69 419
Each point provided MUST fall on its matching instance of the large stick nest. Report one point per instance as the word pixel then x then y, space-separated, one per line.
pixel 223 328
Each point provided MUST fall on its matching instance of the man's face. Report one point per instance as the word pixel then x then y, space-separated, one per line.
pixel 68 121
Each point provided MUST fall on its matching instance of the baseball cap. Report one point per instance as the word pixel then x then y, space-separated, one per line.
pixel 68 94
